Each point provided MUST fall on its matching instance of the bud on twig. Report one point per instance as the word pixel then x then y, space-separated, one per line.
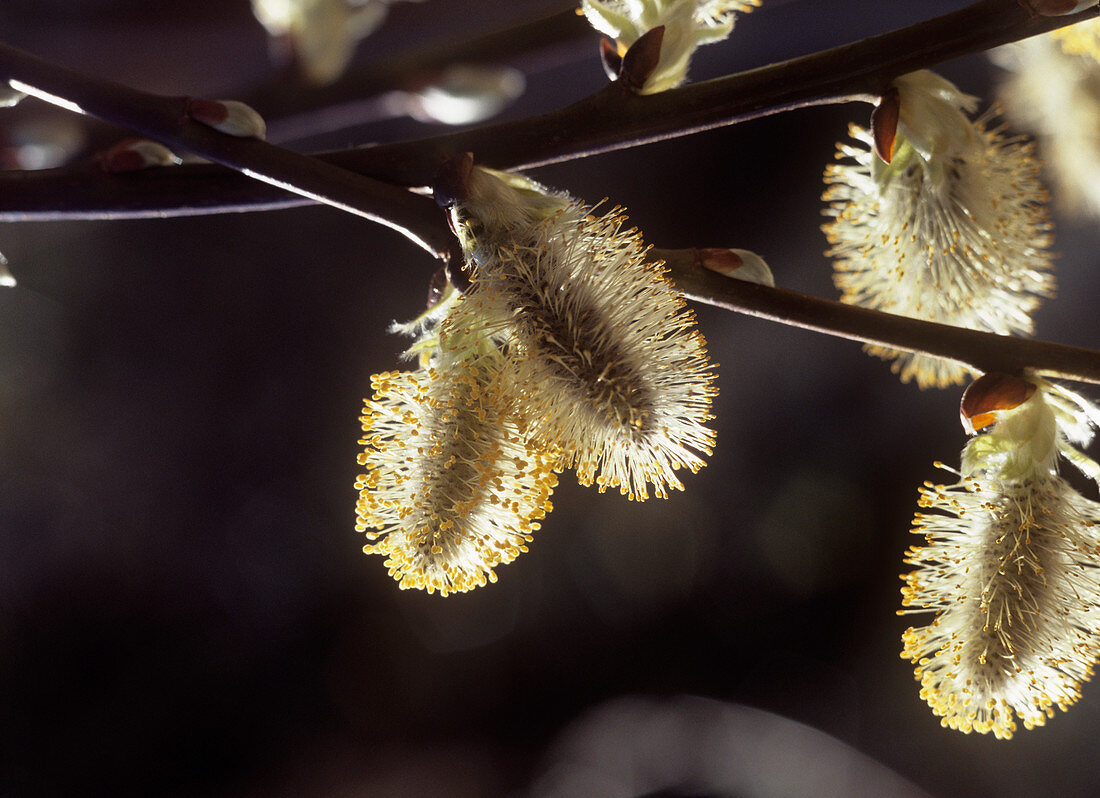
pixel 740 264
pixel 989 393
pixel 7 279
pixel 884 123
pixel 1056 8
pixel 134 154
pixel 452 181
pixel 9 96
pixel 641 59
pixel 467 93
pixel 612 61
pixel 229 116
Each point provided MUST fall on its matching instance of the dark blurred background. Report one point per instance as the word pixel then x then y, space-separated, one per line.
pixel 184 607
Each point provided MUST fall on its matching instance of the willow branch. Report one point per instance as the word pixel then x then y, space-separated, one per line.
pixel 611 119
pixel 982 351
pixel 295 108
pixel 608 120
pixel 165 119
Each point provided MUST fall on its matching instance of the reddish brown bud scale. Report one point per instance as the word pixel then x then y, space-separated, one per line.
pixel 231 117
pixel 452 182
pixel 116 161
pixel 641 59
pixel 739 264
pixel 990 393
pixel 884 123
pixel 209 112
pixel 722 261
pixel 437 286
pixel 612 61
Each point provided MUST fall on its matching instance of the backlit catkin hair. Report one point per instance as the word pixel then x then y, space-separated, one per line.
pixel 952 230
pixel 1011 567
pixel 1011 570
pixel 451 486
pixel 605 361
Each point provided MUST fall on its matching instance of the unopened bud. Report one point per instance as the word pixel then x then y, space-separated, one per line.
pixel 229 116
pixel 7 279
pixel 740 264
pixel 452 181
pixel 465 94
pixel 884 123
pixel 9 96
pixel 437 287
pixel 134 154
pixel 641 59
pixel 611 59
pixel 1056 8
pixel 990 393
pixel 40 142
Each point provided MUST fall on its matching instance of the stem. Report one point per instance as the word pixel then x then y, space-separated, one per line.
pixel 609 120
pixel 165 119
pixel 983 351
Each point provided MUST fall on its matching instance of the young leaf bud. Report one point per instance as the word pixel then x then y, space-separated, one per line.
pixel 687 23
pixel 452 181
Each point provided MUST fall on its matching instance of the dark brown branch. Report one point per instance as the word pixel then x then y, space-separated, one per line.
pixel 165 119
pixel 983 351
pixel 611 119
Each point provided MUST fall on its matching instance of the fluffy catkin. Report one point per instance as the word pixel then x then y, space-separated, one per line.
pixel 451 488
pixel 605 363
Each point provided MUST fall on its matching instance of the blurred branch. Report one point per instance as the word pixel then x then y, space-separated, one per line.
pixel 166 119
pixel 357 97
pixel 983 351
pixel 608 120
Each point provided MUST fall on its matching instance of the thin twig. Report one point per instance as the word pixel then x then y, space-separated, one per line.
pixel 608 120
pixel 983 351
pixel 165 119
